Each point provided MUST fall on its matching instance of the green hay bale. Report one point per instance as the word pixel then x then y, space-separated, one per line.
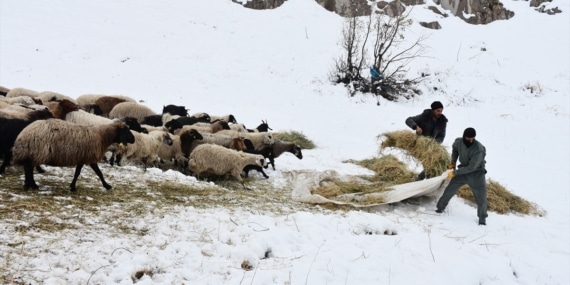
pixel 500 200
pixel 431 154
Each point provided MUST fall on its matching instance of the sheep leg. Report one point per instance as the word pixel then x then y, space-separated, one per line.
pixel 95 168
pixel 40 169
pixel 29 182
pixel 72 187
pixel 6 162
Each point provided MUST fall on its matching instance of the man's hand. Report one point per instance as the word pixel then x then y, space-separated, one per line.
pixel 451 166
pixel 419 130
pixel 450 175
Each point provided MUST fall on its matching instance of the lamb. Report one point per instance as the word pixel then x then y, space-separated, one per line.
pixel 259 140
pixel 9 130
pixel 131 109
pixel 59 143
pixel 210 159
pixel 145 148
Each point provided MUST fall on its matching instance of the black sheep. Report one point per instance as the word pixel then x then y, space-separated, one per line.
pixel 9 131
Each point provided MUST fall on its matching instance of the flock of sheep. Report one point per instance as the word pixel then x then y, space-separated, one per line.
pixel 48 128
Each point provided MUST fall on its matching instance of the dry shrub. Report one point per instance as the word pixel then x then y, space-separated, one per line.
pixel 431 154
pixel 500 200
pixel 295 137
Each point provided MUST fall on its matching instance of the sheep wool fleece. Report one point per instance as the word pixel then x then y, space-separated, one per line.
pixel 471 171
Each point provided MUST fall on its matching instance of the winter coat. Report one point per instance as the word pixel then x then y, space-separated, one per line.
pixel 471 158
pixel 430 128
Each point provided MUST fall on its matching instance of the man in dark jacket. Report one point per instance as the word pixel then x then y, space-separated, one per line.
pixel 471 171
pixel 430 123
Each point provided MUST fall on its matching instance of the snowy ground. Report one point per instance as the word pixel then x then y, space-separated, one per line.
pixel 217 57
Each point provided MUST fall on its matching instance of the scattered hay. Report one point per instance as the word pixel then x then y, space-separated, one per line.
pixel 500 200
pixel 342 190
pixel 295 137
pixel 388 169
pixel 431 154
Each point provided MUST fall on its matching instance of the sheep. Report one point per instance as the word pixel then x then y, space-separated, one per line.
pixel 212 128
pixel 238 127
pixel 227 118
pixel 265 152
pixel 178 122
pixel 4 90
pixel 175 110
pixel 145 148
pixel 9 130
pixel 18 91
pixel 24 100
pixel 59 143
pixel 105 104
pixel 86 100
pixel 259 140
pixel 221 140
pixel 263 127
pixel 211 159
pixel 175 151
pixel 130 109
pixel 18 111
pixel 47 96
pixel 153 120
pixel 279 147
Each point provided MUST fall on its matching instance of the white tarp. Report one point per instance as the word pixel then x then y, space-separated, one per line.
pixel 304 181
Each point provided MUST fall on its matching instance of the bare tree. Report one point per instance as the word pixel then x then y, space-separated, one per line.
pixel 390 59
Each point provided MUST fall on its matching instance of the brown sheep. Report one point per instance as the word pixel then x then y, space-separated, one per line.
pixel 60 143
pixel 106 103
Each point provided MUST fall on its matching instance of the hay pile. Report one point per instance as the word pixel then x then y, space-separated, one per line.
pixel 435 158
pixel 431 154
pixel 500 200
pixel 295 137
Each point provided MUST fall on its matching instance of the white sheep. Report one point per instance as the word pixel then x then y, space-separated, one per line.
pixel 131 109
pixel 89 99
pixel 145 148
pixel 24 100
pixel 59 143
pixel 209 159
pixel 229 118
pixel 259 140
pixel 18 91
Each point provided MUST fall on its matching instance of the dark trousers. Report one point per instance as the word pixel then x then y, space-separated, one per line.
pixel 477 183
